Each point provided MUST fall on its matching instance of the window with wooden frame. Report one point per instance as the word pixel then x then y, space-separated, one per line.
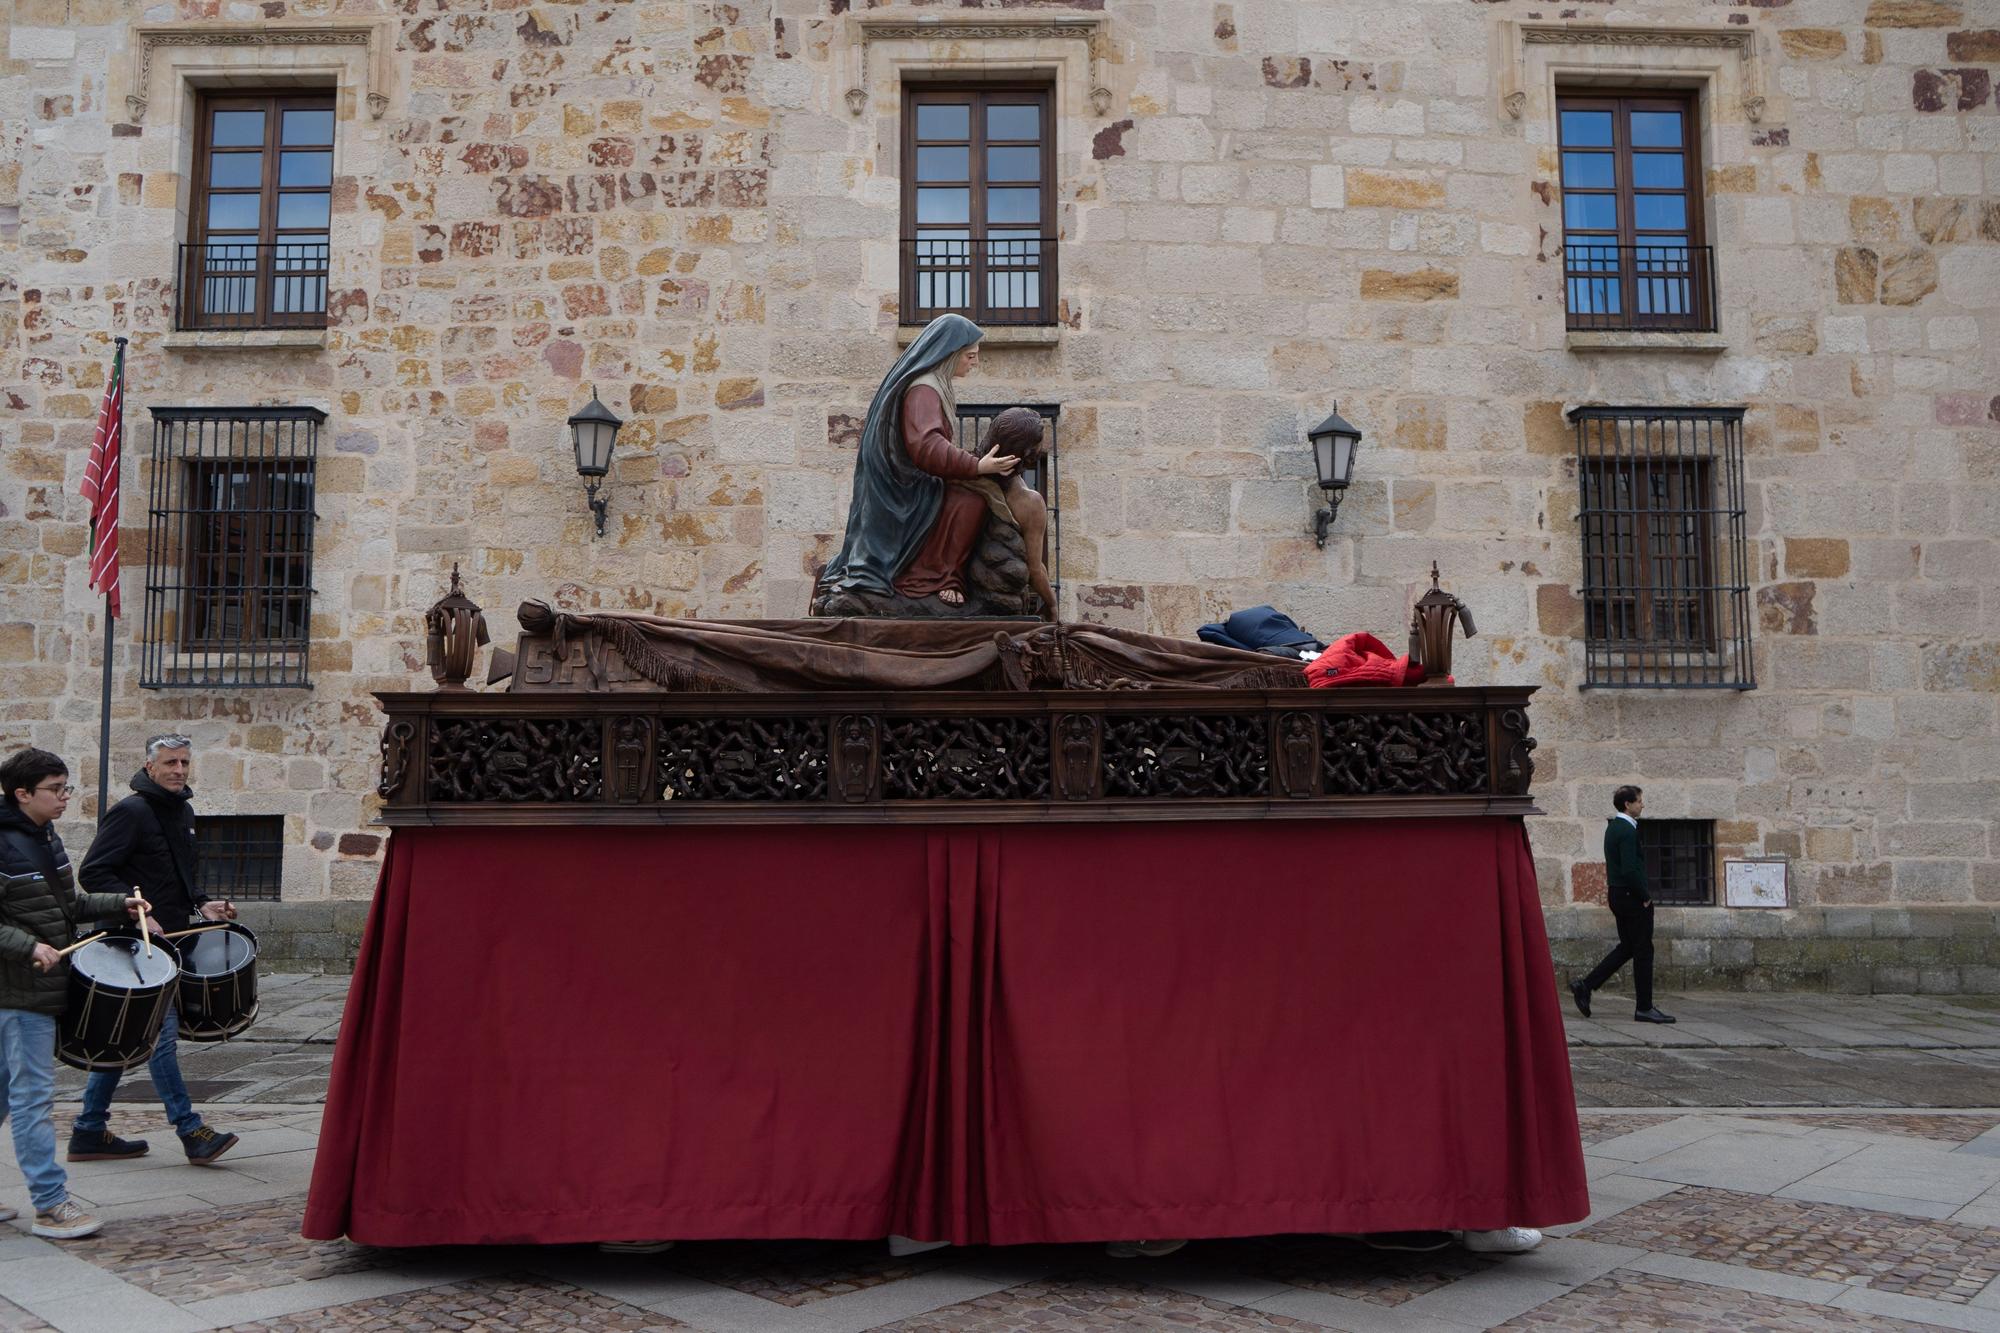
pixel 1665 556
pixel 229 547
pixel 979 234
pixel 1680 861
pixel 256 253
pixel 1633 251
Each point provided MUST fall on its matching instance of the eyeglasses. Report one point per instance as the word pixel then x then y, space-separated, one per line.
pixel 65 790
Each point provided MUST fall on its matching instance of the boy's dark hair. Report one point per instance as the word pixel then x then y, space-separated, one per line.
pixel 1624 796
pixel 28 769
pixel 1016 433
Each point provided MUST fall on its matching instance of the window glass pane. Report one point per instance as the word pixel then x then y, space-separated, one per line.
pixel 1013 122
pixel 227 256
pixel 295 253
pixel 944 122
pixel 1659 212
pixel 1657 171
pixel 1586 129
pixel 232 212
pixel 943 164
pixel 302 210
pixel 1013 164
pixel 1013 206
pixel 1587 171
pixel 305 169
pixel 946 206
pixel 1656 129
pixel 308 127
pixel 238 129
pixel 234 170
pixel 1590 212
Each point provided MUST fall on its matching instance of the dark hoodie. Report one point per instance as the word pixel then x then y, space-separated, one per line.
pixel 147 840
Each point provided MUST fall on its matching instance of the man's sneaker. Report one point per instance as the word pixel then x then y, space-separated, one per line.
pixel 205 1145
pixel 65 1221
pixel 1507 1240
pixel 101 1145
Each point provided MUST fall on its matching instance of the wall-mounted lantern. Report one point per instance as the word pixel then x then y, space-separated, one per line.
pixel 1333 442
pixel 594 430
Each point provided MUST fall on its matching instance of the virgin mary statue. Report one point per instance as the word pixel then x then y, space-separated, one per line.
pixel 908 531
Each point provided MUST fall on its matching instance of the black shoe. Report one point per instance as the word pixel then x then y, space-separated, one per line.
pixel 1651 1016
pixel 205 1145
pixel 101 1145
pixel 1581 994
pixel 1412 1242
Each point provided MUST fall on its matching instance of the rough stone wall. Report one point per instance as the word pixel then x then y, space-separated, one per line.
pixel 1286 204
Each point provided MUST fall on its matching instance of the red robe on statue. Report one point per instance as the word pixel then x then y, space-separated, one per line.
pixel 927 436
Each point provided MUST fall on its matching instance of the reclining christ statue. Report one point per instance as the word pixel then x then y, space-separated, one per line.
pixel 932 529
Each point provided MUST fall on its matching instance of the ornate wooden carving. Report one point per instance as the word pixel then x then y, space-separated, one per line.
pixel 1298 755
pixel 965 759
pixel 856 757
pixel 743 759
pixel 397 739
pixel 631 757
pixel 1079 752
pixel 515 759
pixel 1429 754
pixel 1517 764
pixel 1155 756
pixel 989 756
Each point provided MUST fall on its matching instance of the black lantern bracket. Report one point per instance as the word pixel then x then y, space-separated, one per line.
pixel 1323 520
pixel 601 505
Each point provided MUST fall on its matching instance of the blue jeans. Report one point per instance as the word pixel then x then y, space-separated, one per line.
pixel 165 1067
pixel 28 1097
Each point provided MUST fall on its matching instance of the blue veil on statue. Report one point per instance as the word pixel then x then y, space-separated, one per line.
pixel 895 504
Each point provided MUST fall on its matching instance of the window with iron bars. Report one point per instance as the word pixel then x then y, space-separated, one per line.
pixel 1044 476
pixel 242 857
pixel 1680 861
pixel 1666 597
pixel 229 551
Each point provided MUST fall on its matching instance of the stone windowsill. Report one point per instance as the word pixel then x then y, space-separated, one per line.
pixel 246 340
pixel 1646 342
pixel 1006 335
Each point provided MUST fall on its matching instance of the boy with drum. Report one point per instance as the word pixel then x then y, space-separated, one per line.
pixel 40 907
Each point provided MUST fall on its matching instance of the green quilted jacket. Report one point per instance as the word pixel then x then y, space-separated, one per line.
pixel 39 904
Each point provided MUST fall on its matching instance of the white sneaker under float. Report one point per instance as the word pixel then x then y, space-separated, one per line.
pixel 902 1247
pixel 1507 1240
pixel 1142 1249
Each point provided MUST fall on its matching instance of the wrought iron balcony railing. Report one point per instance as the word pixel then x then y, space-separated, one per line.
pixel 1639 288
pixel 991 281
pixel 227 284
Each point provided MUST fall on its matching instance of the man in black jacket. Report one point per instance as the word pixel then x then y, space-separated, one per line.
pixel 1631 908
pixel 39 910
pixel 147 840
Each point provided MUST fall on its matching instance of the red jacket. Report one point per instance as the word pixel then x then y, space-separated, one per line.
pixel 1361 659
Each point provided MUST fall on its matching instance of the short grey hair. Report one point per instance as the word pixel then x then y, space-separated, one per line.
pixel 168 741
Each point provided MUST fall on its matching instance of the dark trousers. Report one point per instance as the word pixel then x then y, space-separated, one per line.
pixel 1635 945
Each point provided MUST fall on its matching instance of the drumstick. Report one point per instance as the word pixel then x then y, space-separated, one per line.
pixel 145 936
pixel 64 953
pixel 194 930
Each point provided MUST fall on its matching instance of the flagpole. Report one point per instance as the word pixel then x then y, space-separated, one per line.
pixel 110 629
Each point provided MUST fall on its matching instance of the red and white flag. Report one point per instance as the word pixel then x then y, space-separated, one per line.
pixel 100 484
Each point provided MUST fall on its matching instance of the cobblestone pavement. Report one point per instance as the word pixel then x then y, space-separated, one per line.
pixel 1776 1162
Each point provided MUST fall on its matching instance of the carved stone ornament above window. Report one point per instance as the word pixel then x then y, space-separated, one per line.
pixel 255 41
pixel 1005 38
pixel 1731 56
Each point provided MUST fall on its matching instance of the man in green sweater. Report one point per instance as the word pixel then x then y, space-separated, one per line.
pixel 1631 907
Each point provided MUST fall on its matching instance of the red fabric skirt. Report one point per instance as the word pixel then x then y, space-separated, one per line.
pixel 1000 1034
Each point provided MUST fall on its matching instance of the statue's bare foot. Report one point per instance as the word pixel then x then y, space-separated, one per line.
pixel 952 597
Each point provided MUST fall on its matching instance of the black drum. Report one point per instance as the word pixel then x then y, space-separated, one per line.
pixel 118 997
pixel 218 986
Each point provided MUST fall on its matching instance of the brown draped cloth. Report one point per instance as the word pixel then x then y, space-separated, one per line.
pixel 757 656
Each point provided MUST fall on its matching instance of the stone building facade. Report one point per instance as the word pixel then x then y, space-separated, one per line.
pixel 1262 207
